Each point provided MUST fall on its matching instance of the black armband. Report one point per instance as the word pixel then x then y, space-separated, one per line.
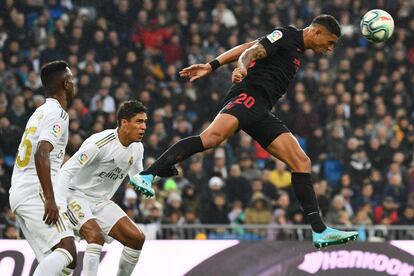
pixel 214 64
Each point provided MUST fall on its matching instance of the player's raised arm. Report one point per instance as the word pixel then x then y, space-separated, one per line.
pixel 255 52
pixel 198 71
pixel 42 162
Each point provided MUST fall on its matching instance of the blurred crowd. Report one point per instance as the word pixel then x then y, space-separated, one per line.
pixel 350 110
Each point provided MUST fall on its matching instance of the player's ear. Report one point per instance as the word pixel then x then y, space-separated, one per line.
pixel 124 121
pixel 66 83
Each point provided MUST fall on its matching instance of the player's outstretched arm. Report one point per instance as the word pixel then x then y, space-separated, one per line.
pixel 42 163
pixel 255 52
pixel 197 71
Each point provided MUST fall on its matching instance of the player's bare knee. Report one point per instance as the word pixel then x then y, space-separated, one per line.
pixel 302 164
pixel 92 233
pixel 95 237
pixel 137 242
pixel 211 139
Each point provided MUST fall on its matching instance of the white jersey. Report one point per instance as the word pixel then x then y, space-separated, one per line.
pixel 49 122
pixel 100 165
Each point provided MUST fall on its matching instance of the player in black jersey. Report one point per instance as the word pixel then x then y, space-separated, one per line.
pixel 265 68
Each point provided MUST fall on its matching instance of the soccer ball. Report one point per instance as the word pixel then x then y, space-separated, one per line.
pixel 377 25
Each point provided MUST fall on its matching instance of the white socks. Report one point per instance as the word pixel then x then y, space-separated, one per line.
pixel 54 263
pixel 91 259
pixel 128 260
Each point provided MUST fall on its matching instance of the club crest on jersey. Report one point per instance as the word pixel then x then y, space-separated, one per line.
pixel 131 160
pixel 56 129
pixel 83 158
pixel 275 36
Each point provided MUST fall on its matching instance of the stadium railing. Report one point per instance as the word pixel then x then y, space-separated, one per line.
pixel 264 232
pixel 277 232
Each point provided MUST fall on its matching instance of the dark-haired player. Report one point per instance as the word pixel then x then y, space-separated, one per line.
pixel 90 178
pixel 265 68
pixel 39 213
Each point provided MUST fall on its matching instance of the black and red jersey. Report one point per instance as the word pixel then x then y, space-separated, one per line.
pixel 284 47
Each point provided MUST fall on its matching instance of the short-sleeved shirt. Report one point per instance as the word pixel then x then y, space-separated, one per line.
pixel 100 165
pixel 50 122
pixel 273 74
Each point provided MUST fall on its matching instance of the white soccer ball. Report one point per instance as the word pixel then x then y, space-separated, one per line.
pixel 377 25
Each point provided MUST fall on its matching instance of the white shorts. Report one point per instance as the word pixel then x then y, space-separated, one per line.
pixel 29 214
pixel 106 213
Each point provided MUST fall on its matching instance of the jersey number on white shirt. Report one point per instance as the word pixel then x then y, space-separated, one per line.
pixel 27 143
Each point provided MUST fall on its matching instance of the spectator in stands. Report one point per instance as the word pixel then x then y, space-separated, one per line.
pixel 237 187
pixel 396 190
pixel 217 211
pixel 259 211
pixel 386 213
pixel 337 215
pixel 11 232
pixel 280 176
pixel 363 215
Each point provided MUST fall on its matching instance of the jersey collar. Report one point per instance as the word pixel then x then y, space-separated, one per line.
pixel 54 100
pixel 117 138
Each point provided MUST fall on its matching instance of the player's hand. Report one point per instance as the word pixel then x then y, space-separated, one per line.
pixel 51 212
pixel 238 74
pixel 196 71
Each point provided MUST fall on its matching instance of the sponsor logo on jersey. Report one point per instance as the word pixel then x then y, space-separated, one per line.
pixel 56 130
pixel 83 158
pixel 275 36
pixel 296 63
pixel 113 174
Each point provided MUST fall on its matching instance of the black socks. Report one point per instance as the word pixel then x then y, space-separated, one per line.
pixel 302 185
pixel 176 153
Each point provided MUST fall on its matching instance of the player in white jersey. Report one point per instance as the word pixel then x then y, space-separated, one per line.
pixel 90 178
pixel 35 172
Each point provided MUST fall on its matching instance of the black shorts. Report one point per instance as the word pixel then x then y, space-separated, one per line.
pixel 253 112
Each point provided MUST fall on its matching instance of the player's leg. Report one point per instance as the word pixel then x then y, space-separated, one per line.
pixel 115 224
pixel 44 238
pixel 127 232
pixel 81 215
pixel 276 138
pixel 223 126
pixel 286 148
pixel 94 236
pixel 220 129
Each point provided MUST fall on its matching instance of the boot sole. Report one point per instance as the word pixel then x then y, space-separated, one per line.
pixel 320 245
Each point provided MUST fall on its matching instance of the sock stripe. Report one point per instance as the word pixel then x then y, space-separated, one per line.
pixel 93 251
pixel 131 260
pixel 67 255
pixel 131 257
pixel 313 213
pixel 67 271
